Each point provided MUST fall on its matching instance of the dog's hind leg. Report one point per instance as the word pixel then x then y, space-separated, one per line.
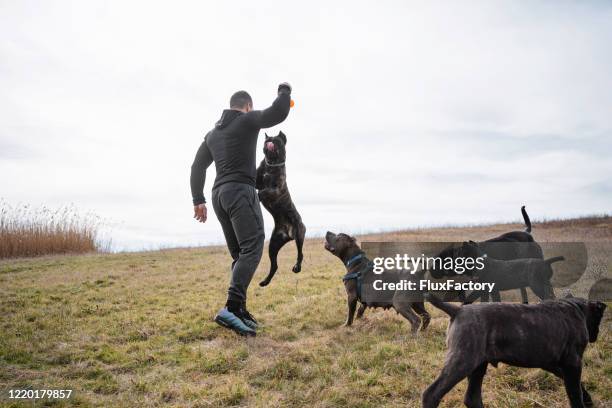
pixel 474 295
pixel 277 240
pixel 455 369
pixel 524 295
pixel 473 395
pixel 451 295
pixel 404 308
pixel 419 307
pixel 299 242
pixel 360 311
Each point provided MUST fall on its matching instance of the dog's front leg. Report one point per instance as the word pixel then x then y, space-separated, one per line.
pixel 586 397
pixel 524 295
pixel 259 177
pixel 360 311
pixel 268 194
pixel 573 386
pixel 352 305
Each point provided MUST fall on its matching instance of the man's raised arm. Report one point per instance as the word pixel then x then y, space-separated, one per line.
pixel 276 113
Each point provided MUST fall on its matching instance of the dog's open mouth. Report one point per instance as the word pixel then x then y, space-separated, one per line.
pixel 329 238
pixel 271 155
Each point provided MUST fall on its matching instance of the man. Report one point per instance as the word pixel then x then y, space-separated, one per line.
pixel 232 145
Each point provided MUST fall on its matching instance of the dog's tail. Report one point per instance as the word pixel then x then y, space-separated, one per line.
pixel 554 259
pixel 526 219
pixel 447 308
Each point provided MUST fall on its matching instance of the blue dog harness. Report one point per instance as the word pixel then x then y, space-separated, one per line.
pixel 357 274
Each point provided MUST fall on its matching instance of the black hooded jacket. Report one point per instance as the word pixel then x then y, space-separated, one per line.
pixel 232 145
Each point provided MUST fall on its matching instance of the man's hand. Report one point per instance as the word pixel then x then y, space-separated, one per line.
pixel 199 212
pixel 284 87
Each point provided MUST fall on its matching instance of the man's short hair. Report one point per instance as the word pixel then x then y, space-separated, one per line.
pixel 240 100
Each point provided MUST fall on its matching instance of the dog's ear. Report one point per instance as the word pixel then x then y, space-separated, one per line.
pixel 600 307
pixel 569 295
pixel 595 314
pixel 267 137
pixel 283 137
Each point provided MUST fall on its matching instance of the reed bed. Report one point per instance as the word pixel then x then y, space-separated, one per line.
pixel 27 231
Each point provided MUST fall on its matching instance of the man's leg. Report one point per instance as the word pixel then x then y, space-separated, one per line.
pixel 247 222
pixel 228 228
pixel 231 316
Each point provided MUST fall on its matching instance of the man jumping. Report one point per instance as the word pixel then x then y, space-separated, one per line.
pixel 232 145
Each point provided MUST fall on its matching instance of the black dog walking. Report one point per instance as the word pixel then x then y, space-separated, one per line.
pixel 232 146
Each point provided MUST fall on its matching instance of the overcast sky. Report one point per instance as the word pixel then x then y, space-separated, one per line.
pixel 407 113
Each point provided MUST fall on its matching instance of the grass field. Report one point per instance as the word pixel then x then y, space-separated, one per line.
pixel 136 330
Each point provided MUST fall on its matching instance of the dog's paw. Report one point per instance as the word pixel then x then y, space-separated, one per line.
pixel 296 268
pixel 425 323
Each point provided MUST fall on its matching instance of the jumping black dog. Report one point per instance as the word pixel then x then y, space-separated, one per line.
pixel 551 335
pixel 274 195
pixel 508 246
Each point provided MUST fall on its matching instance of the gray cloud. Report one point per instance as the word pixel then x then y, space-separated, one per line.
pixel 396 107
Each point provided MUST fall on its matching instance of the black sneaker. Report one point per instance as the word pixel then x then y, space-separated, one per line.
pixel 248 318
pixel 230 321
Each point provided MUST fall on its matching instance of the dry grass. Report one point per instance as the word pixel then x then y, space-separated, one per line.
pixel 26 231
pixel 136 330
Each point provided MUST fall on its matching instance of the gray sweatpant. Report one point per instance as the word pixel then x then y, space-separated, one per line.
pixel 238 210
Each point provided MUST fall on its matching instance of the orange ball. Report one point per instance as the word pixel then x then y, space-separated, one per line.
pixel 291 103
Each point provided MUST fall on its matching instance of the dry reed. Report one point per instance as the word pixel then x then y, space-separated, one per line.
pixel 27 231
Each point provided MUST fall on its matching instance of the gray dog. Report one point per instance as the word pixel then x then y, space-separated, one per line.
pixel 551 335
pixel 508 246
pixel 514 274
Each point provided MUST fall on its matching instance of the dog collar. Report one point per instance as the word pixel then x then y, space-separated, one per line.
pixel 353 275
pixel 357 275
pixel 354 259
pixel 273 164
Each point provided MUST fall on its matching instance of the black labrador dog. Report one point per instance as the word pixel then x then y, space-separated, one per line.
pixel 551 335
pixel 271 182
pixel 346 249
pixel 508 246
